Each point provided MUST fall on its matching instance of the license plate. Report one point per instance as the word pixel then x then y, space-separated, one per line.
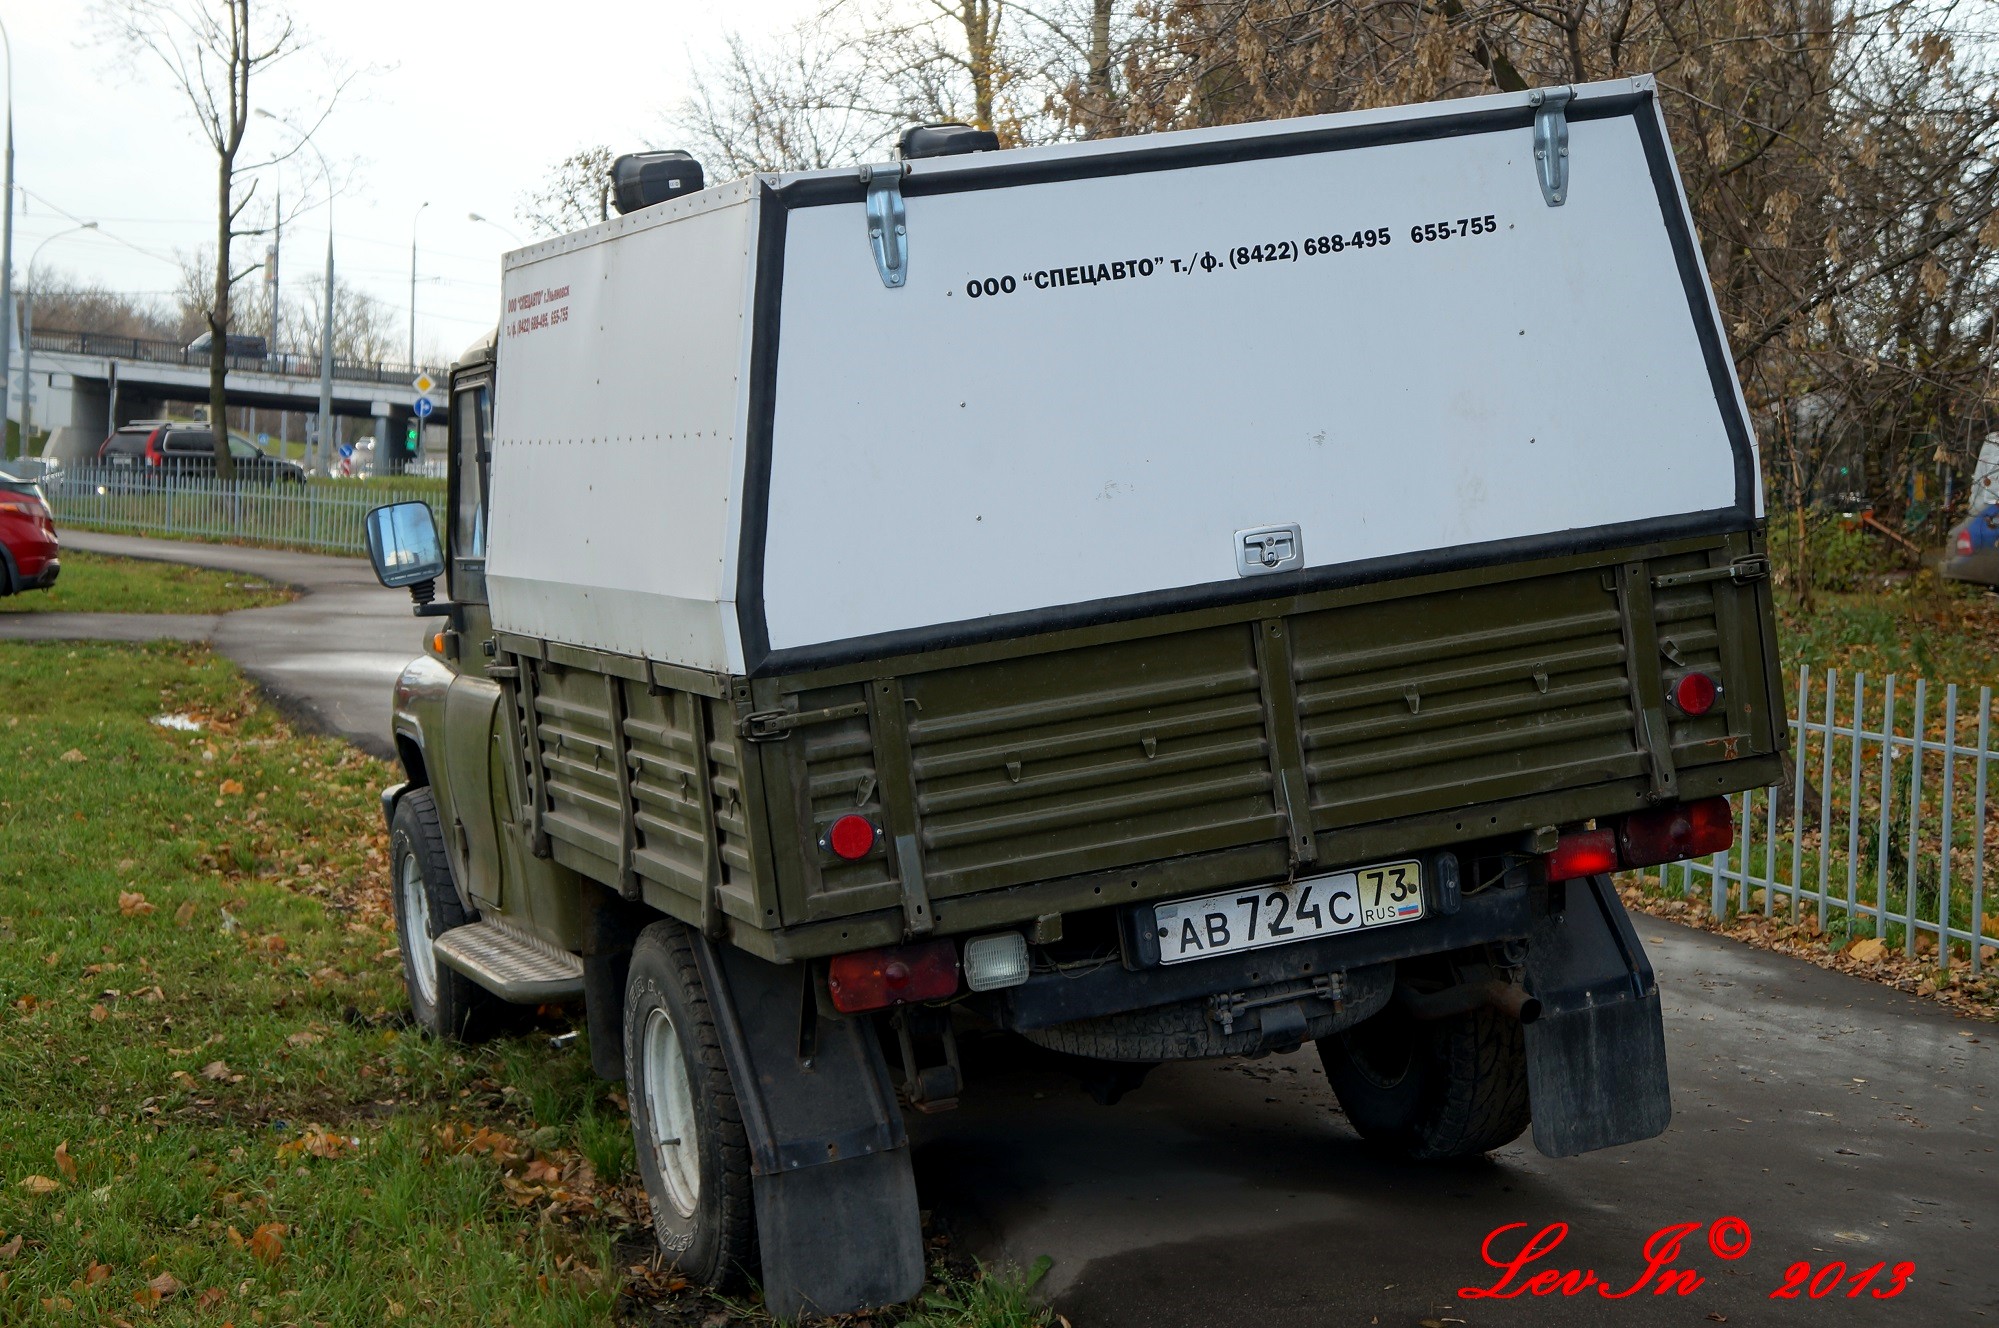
pixel 1260 916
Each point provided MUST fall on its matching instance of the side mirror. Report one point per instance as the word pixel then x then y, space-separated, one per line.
pixel 403 546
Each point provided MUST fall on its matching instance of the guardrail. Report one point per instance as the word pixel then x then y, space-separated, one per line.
pixel 324 518
pixel 154 351
pixel 1883 828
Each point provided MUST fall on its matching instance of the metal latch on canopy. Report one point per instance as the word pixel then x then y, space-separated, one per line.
pixel 888 223
pixel 1551 141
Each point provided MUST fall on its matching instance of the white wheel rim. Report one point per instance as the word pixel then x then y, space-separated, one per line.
pixel 416 922
pixel 670 1112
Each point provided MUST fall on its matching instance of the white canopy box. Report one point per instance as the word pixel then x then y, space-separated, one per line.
pixel 807 418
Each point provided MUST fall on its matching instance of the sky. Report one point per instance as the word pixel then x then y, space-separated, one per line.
pixel 460 104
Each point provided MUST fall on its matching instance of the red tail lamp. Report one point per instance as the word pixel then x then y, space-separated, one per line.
pixel 1695 694
pixel 894 975
pixel 851 837
pixel 1964 544
pixel 1672 834
pixel 1586 853
pixel 1645 839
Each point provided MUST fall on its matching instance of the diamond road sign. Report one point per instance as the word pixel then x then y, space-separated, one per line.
pixel 423 383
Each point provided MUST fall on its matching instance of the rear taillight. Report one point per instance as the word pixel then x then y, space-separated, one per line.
pixel 1964 544
pixel 1671 834
pixel 894 975
pixel 1645 839
pixel 851 837
pixel 1585 853
pixel 1695 694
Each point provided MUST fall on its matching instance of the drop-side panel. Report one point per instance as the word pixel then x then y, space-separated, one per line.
pixel 1090 758
pixel 1463 705
pixel 643 789
pixel 1448 700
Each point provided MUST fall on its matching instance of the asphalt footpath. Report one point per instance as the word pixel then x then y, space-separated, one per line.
pixel 328 658
pixel 1842 1121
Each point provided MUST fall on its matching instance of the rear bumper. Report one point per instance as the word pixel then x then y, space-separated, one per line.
pixel 1049 999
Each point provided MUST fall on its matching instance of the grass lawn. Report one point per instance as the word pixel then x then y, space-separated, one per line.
pixel 100 583
pixel 213 1110
pixel 1941 630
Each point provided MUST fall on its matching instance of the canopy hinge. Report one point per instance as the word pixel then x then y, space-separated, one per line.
pixel 888 223
pixel 1551 141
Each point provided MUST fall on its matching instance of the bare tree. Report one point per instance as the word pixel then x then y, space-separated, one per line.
pixel 364 328
pixel 67 304
pixel 576 194
pixel 802 101
pixel 211 51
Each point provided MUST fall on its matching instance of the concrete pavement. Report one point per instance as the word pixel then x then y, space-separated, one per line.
pixel 329 658
pixel 1840 1119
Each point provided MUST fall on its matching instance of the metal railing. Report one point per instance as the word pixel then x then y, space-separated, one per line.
pixel 321 517
pixel 1882 828
pixel 287 363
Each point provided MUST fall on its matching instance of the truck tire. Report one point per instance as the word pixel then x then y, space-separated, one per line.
pixel 686 1127
pixel 446 1003
pixel 1431 1090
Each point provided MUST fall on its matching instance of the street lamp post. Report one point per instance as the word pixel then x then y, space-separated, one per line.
pixel 28 334
pixel 7 258
pixel 488 221
pixel 321 450
pixel 413 221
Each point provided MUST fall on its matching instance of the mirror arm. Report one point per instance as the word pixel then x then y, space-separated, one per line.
pixel 423 596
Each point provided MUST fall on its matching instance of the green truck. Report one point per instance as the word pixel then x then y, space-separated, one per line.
pixel 1183 596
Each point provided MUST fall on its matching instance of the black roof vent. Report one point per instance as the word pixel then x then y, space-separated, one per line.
pixel 944 140
pixel 641 179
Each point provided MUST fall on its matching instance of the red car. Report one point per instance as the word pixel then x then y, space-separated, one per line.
pixel 28 550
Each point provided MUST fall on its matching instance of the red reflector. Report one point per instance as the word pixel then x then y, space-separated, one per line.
pixel 1696 693
pixel 1964 544
pixel 876 979
pixel 1671 834
pixel 1583 854
pixel 851 837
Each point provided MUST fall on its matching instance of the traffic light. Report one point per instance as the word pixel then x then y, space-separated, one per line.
pixel 410 440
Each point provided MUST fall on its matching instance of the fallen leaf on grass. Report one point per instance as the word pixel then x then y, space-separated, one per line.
pixel 185 913
pixel 10 1249
pixel 267 1242
pixel 217 1071
pixel 40 1184
pixel 319 1143
pixel 302 1039
pixel 133 904
pixel 1869 950
pixel 73 756
pixel 232 788
pixel 27 1003
pixel 274 943
pixel 64 1162
pixel 157 1290
pixel 98 1014
pixel 54 1304
pixel 210 1298
pixel 99 1272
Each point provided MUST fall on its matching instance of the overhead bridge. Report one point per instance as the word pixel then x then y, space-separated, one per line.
pixel 112 380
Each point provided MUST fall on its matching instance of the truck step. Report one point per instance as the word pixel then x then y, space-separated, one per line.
pixel 511 964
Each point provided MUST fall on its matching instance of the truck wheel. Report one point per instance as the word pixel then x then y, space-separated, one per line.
pixel 446 1003
pixel 687 1129
pixel 1432 1090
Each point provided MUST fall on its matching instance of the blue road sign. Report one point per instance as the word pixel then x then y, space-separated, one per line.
pixel 423 408
pixel 263 440
pixel 347 449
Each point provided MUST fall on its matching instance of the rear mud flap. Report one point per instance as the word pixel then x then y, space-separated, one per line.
pixel 1596 1057
pixel 837 1221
